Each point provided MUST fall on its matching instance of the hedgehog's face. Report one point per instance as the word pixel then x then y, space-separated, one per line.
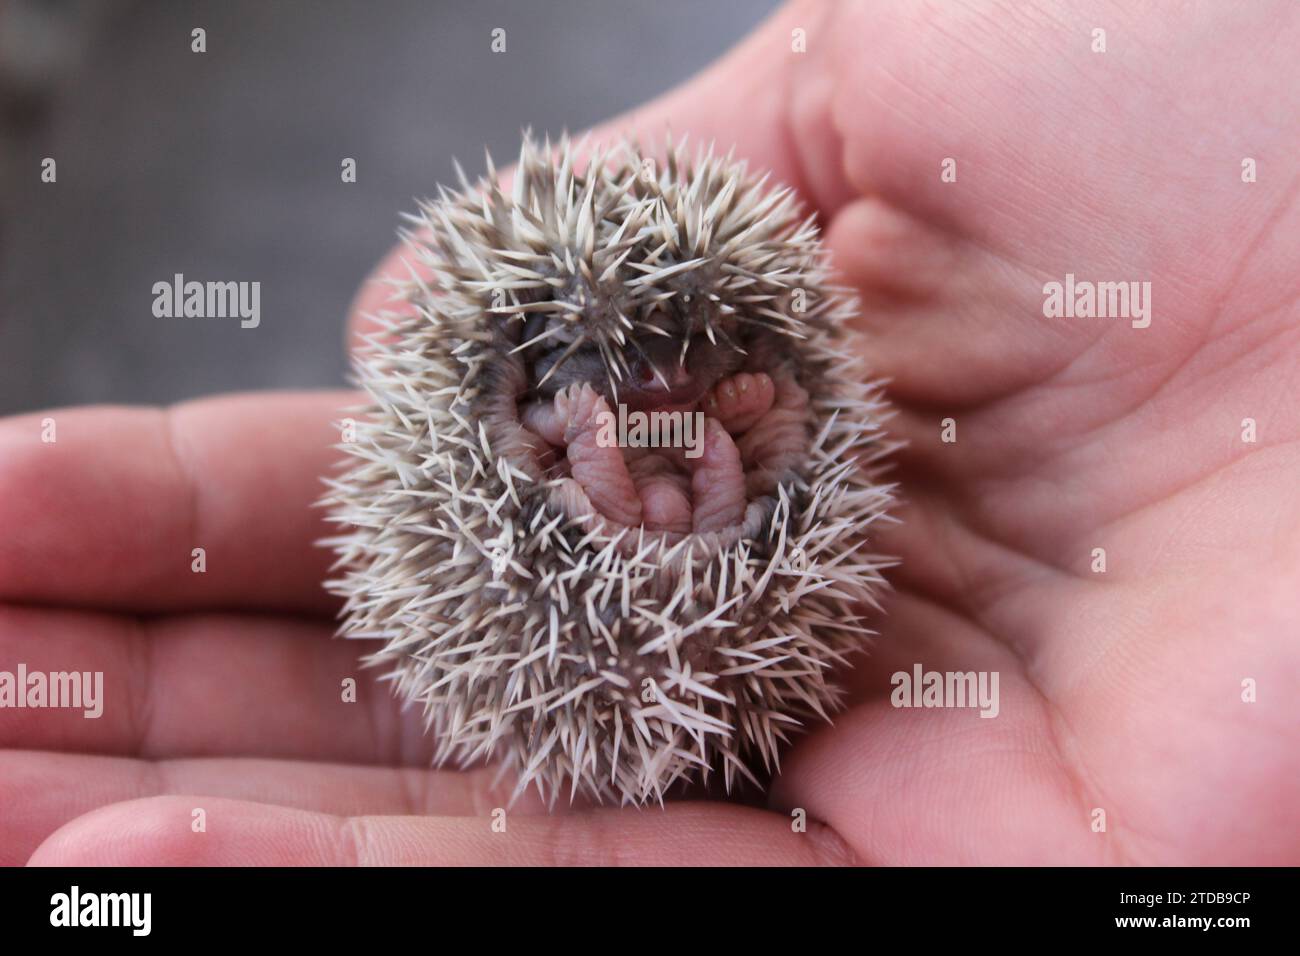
pixel 606 296
pixel 685 424
pixel 669 362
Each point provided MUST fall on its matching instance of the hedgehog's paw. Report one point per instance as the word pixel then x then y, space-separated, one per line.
pixel 595 461
pixel 544 420
pixel 717 481
pixel 580 408
pixel 778 441
pixel 664 492
pixel 740 401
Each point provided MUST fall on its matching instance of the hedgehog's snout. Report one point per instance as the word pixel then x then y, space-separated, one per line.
pixel 665 374
pixel 661 375
pixel 660 366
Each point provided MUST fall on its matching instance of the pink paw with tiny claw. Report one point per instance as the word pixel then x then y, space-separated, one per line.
pixel 740 401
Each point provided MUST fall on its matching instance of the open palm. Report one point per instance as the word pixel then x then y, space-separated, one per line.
pixel 1148 711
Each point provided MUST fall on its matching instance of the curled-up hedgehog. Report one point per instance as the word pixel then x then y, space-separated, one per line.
pixel 611 616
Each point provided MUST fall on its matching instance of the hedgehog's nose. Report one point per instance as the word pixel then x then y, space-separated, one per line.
pixel 660 379
pixel 664 378
pixel 661 368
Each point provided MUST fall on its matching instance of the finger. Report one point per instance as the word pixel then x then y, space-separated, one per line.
pixel 205 685
pixel 765 98
pixel 932 302
pixel 109 513
pixel 159 832
pixel 41 791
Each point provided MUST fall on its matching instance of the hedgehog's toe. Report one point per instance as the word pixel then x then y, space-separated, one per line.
pixel 718 481
pixel 597 465
pixel 740 401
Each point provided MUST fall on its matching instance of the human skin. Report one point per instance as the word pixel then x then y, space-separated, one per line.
pixel 1120 690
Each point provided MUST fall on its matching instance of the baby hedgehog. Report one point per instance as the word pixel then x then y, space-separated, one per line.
pixel 609 508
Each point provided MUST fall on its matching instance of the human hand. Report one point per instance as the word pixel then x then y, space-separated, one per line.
pixel 1120 690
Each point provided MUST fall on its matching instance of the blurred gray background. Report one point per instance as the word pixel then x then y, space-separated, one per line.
pixel 226 165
